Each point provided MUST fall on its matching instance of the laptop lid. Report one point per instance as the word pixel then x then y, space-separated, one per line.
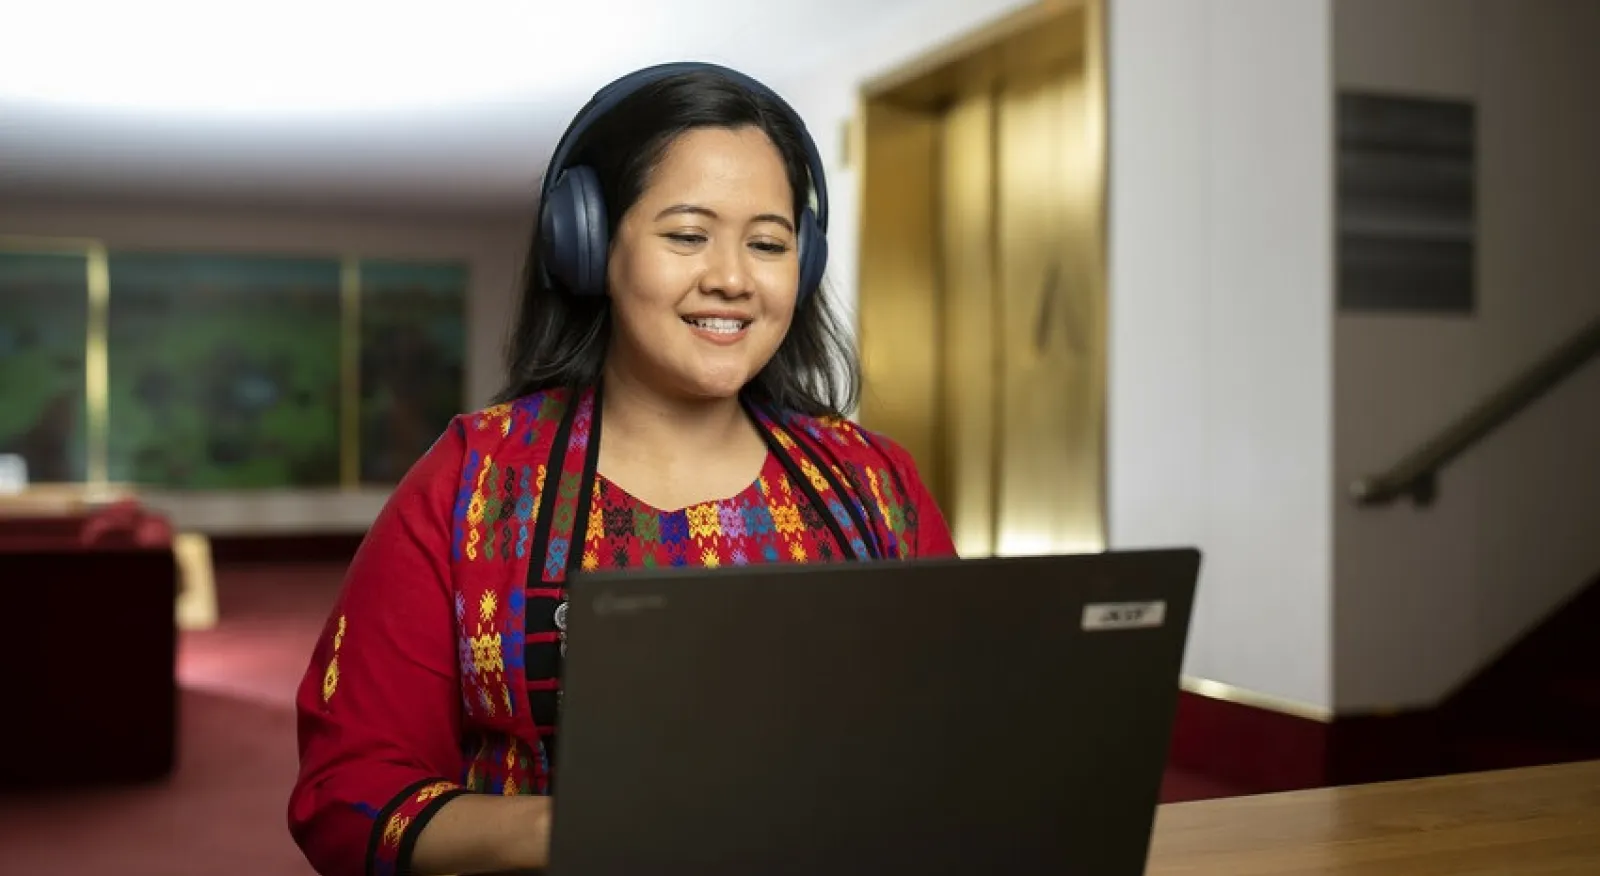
pixel 1007 715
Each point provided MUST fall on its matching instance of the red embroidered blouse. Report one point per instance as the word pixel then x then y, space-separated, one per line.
pixel 439 673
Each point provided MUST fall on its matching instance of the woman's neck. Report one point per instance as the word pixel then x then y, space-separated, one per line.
pixel 643 418
pixel 673 453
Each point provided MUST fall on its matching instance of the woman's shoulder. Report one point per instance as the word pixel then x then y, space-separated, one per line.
pixel 514 428
pixel 849 439
pixel 890 469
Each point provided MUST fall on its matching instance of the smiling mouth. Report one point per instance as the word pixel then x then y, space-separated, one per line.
pixel 718 325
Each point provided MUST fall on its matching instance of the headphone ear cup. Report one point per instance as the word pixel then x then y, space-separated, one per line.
pixel 813 255
pixel 573 226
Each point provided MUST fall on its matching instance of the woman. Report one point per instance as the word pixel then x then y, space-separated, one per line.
pixel 672 296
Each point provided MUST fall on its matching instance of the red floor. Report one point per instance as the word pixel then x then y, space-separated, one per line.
pixel 223 810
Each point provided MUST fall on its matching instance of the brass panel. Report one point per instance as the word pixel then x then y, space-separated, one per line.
pixel 898 314
pixel 1050 471
pixel 1092 168
pixel 97 367
pixel 1081 159
pixel 970 340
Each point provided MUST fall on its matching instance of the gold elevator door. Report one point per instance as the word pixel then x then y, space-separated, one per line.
pixel 1012 438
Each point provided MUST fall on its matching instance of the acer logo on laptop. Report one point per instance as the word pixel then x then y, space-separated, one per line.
pixel 1124 615
pixel 610 603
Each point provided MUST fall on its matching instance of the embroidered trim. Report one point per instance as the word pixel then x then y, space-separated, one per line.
pixel 395 830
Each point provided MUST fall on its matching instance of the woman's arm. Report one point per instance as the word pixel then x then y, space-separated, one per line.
pixel 380 709
pixel 484 834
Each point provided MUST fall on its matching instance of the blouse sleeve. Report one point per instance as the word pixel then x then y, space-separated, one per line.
pixel 379 708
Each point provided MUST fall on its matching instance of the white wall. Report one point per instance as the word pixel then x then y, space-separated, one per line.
pixel 1439 592
pixel 1220 403
pixel 1220 277
pixel 494 248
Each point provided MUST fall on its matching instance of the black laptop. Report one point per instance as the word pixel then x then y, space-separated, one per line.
pixel 1008 716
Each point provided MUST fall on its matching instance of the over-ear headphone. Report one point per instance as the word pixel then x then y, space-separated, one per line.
pixel 572 213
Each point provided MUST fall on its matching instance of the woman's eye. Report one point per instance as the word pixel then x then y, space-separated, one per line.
pixel 770 247
pixel 687 239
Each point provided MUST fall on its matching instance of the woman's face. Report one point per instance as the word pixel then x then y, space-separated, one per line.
pixel 704 270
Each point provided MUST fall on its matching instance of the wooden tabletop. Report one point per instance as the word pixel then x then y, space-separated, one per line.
pixel 1531 822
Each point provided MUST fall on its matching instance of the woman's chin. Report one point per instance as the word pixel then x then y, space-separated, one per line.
pixel 717 390
pixel 697 377
pixel 715 383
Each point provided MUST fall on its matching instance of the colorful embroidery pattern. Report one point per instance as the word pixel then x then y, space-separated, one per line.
pixel 497 502
pixel 894 510
pixel 499 764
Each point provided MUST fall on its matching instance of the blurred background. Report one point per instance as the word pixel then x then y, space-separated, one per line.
pixel 1309 284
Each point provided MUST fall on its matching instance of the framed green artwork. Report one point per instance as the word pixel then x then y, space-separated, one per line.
pixel 224 371
pixel 190 371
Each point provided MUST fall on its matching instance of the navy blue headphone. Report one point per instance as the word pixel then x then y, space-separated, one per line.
pixel 572 213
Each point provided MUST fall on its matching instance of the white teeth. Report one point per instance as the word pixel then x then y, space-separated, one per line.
pixel 720 326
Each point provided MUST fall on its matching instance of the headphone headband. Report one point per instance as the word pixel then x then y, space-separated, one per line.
pixel 619 90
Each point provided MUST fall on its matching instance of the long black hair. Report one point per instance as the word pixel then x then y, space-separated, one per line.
pixel 560 339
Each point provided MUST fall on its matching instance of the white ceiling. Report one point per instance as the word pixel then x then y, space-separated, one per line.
pixel 447 105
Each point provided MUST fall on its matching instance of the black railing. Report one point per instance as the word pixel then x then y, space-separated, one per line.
pixel 1416 475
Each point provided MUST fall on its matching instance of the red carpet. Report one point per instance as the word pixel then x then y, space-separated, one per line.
pixel 223 810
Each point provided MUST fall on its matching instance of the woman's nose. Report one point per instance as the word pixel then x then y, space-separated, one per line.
pixel 726 272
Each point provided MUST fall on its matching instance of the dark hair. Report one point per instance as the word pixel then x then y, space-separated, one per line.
pixel 560 339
